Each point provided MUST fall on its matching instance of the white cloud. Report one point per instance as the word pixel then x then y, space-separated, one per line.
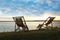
pixel 8 9
pixel 21 12
pixel 4 15
pixel 27 13
pixel 35 14
pixel 5 8
pixel 50 13
pixel 1 12
pixel 47 14
pixel 48 1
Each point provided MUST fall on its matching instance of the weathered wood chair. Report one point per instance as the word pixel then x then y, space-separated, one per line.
pixel 20 22
pixel 46 22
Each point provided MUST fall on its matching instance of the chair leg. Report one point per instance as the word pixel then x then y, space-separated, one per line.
pixel 27 28
pixel 15 27
pixel 23 28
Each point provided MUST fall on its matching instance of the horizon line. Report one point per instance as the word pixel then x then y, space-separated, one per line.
pixel 30 21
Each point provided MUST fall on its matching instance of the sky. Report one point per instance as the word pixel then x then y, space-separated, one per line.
pixel 30 8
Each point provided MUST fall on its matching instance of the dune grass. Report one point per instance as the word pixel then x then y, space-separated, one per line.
pixel 31 35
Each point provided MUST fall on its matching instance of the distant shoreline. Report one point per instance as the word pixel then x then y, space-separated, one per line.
pixel 33 21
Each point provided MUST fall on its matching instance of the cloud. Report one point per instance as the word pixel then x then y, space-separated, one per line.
pixel 35 8
pixel 36 4
pixel 1 13
pixel 5 17
pixel 26 12
pixel 51 13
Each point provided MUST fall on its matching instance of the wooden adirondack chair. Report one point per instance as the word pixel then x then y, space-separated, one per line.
pixel 46 22
pixel 20 22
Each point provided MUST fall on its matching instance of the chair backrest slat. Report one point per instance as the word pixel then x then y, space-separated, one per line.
pixel 18 21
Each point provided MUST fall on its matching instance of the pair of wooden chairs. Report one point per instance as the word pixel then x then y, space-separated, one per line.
pixel 20 22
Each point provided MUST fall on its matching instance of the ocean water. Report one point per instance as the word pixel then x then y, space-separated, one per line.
pixel 10 26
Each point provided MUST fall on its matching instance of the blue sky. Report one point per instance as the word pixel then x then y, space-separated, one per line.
pixel 29 7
